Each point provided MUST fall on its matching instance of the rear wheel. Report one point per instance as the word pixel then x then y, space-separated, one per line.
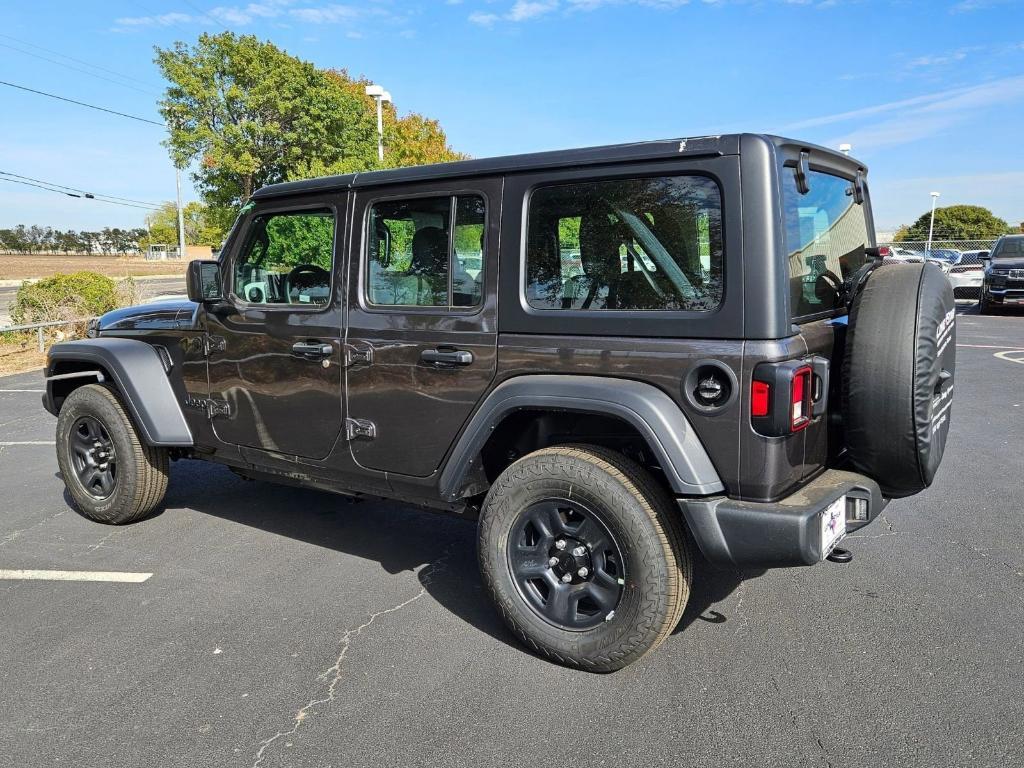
pixel 584 556
pixel 111 475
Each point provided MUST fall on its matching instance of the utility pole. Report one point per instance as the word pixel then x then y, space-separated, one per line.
pixel 181 215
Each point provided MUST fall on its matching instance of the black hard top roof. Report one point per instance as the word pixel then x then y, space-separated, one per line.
pixel 613 153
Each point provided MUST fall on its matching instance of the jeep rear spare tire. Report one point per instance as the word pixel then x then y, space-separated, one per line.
pixel 584 556
pixel 898 376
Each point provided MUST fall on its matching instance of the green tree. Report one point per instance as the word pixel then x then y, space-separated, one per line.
pixel 251 114
pixel 244 113
pixel 956 222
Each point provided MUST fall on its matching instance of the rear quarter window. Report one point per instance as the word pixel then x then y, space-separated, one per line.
pixel 826 241
pixel 648 244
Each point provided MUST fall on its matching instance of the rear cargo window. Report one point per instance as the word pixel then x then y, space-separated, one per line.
pixel 826 238
pixel 629 244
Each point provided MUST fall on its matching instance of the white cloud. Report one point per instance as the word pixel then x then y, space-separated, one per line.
pixel 525 10
pixel 328 14
pixel 530 9
pixel 907 120
pixel 163 20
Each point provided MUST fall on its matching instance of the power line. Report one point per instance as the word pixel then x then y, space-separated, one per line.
pixel 83 104
pixel 78 61
pixel 40 186
pixel 76 189
pixel 88 195
pixel 79 70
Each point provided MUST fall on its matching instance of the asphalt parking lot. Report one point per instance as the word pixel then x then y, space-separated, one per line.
pixel 284 627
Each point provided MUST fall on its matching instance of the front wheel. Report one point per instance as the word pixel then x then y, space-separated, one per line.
pixel 112 476
pixel 584 556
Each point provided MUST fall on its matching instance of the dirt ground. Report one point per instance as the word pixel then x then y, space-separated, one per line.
pixel 19 357
pixel 21 267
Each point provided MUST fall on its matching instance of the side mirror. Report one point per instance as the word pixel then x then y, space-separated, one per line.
pixel 985 256
pixel 203 281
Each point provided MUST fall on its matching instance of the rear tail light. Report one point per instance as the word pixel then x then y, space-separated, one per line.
pixel 785 397
pixel 760 398
pixel 800 399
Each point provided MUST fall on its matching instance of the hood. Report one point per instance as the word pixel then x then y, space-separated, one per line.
pixel 177 314
pixel 1008 262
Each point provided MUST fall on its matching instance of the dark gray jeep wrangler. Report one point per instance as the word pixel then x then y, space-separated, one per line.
pixel 608 355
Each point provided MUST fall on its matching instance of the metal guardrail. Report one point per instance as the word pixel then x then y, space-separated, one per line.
pixel 40 327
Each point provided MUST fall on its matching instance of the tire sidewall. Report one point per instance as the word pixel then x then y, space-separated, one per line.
pixel 91 400
pixel 534 479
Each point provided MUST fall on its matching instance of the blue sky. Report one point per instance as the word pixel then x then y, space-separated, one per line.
pixel 929 92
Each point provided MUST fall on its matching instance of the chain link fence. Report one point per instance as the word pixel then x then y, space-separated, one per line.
pixel 964 253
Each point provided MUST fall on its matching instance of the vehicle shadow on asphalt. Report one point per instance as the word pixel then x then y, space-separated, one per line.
pixel 440 548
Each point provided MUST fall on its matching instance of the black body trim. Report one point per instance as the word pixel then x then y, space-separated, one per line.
pixel 139 375
pixel 665 428
pixel 787 532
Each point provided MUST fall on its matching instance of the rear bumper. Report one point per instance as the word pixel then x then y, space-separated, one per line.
pixel 786 532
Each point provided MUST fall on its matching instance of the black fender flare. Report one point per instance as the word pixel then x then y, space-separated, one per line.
pixel 137 371
pixel 659 419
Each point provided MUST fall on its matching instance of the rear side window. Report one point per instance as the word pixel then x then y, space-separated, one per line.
pixel 826 236
pixel 629 244
pixel 426 252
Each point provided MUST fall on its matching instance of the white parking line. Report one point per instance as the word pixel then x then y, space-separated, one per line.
pixel 1005 356
pixel 6 443
pixel 22 390
pixel 987 346
pixel 119 576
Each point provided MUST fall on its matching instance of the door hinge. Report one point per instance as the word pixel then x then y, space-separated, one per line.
pixel 214 344
pixel 355 356
pixel 360 428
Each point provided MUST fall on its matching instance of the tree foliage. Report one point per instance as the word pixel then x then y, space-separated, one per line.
pixel 245 113
pixel 200 228
pixel 35 239
pixel 956 222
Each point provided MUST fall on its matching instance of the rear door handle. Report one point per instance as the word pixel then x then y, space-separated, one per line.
pixel 312 350
pixel 447 357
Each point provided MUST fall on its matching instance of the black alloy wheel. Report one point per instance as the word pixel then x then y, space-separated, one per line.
pixel 566 564
pixel 93 457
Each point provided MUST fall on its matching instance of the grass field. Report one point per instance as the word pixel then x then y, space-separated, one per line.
pixel 21 267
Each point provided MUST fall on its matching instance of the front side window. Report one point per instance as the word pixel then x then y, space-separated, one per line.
pixel 426 252
pixel 826 236
pixel 630 244
pixel 287 259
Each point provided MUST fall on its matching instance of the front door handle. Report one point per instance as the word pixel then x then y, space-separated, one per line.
pixel 312 350
pixel 447 357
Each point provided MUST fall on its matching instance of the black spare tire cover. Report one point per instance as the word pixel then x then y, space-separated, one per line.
pixel 898 376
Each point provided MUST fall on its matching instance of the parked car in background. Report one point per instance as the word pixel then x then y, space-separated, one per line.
pixel 967 274
pixel 944 257
pixel 1003 279
pixel 903 256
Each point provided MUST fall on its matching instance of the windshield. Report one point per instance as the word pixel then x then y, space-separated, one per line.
pixel 1009 248
pixel 826 238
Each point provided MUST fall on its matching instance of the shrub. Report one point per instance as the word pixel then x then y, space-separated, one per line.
pixel 64 297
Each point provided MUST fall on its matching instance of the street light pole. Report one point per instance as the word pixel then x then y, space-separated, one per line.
pixel 382 97
pixel 181 215
pixel 931 225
